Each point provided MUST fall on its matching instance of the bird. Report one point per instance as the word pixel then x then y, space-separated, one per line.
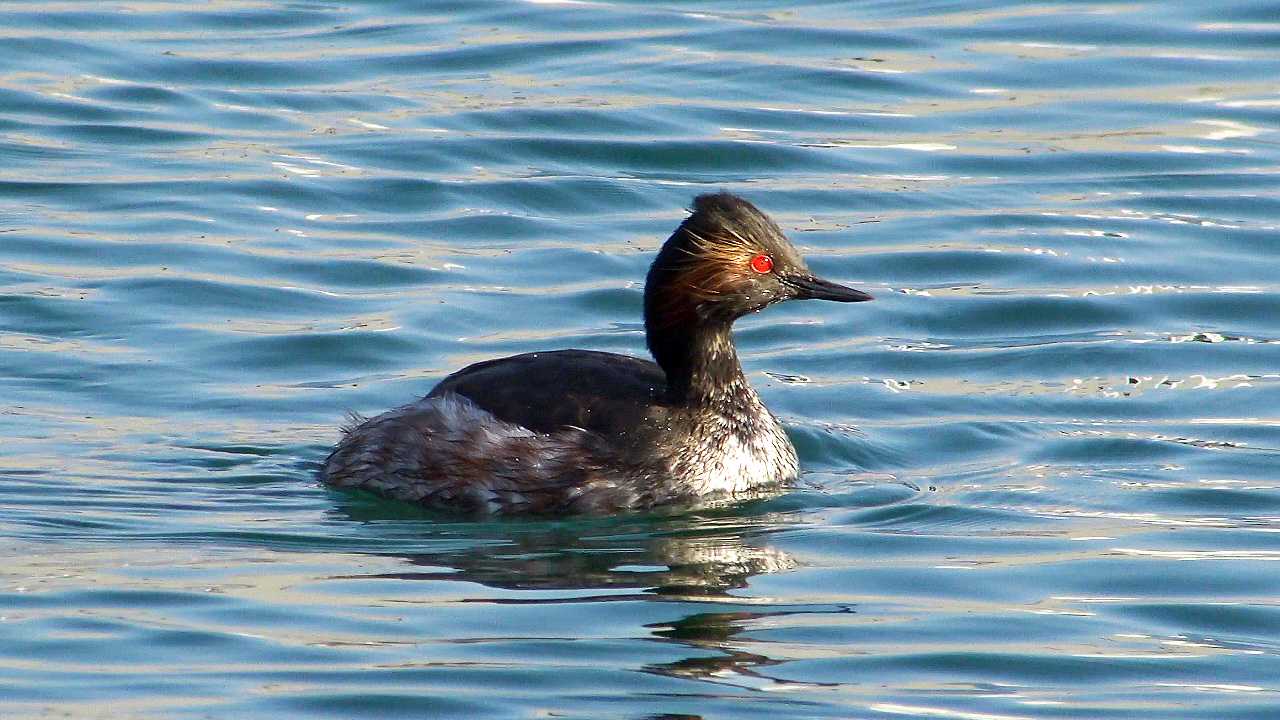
pixel 566 432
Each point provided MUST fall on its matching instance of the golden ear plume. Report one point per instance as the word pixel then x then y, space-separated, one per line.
pixel 716 263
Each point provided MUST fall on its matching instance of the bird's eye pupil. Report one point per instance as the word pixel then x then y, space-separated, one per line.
pixel 762 263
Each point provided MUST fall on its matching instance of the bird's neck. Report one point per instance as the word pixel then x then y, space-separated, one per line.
pixel 701 364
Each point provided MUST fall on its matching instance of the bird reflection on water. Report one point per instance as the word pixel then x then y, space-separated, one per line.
pixel 694 561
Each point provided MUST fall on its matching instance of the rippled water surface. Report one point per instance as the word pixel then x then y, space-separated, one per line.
pixel 1042 470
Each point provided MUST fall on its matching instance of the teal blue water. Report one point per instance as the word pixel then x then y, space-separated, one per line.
pixel 1042 470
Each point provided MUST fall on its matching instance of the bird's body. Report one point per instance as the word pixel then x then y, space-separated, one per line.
pixel 571 431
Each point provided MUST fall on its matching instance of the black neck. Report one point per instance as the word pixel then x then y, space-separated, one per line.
pixel 701 363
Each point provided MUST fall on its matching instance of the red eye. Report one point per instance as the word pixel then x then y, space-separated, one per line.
pixel 762 263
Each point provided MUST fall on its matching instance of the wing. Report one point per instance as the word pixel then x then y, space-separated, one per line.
pixel 604 393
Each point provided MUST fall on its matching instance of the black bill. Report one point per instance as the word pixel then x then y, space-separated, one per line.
pixel 812 288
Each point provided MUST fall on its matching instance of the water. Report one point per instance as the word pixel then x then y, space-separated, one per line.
pixel 1041 469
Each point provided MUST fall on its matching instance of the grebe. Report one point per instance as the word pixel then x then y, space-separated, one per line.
pixel 579 431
